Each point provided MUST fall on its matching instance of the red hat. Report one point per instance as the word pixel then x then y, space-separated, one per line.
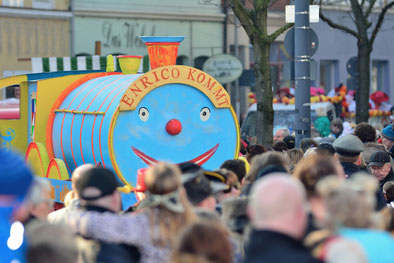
pixel 379 97
pixel 284 89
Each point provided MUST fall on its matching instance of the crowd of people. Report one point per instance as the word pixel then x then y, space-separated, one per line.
pixel 329 200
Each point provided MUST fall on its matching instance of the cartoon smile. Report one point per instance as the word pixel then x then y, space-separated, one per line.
pixel 200 160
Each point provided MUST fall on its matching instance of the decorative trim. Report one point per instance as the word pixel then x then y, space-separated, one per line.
pixel 18 12
pixel 79 112
pixel 151 15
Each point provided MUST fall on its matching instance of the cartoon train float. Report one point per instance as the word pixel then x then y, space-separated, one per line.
pixel 123 120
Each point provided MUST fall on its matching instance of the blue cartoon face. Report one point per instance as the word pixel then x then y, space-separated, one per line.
pixel 175 123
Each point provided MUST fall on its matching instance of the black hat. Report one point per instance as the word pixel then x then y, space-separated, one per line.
pixel 198 187
pixel 290 141
pixel 379 158
pixel 96 183
pixel 325 147
pixel 189 167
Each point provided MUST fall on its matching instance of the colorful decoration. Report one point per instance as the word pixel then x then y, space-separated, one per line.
pixel 7 138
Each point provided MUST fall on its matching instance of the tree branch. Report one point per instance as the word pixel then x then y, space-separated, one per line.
pixel 370 7
pixel 338 26
pixel 243 16
pixel 273 36
pixel 379 23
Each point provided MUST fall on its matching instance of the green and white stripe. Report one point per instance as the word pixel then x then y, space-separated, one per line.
pixel 52 64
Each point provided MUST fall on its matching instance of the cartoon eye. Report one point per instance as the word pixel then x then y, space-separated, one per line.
pixel 144 114
pixel 205 113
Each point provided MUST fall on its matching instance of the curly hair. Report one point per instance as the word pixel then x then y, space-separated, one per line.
pixel 365 132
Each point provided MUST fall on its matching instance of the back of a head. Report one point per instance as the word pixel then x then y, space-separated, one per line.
pixel 163 178
pixel 313 168
pixel 206 240
pixel 78 173
pixel 280 147
pixel 307 143
pixel 45 246
pixel 277 199
pixel 264 160
pixel 237 166
pixel 365 132
pixel 295 155
pixel 254 150
pixel 388 190
pixel 349 203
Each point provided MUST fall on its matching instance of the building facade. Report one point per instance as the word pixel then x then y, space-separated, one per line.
pixel 32 28
pixel 117 25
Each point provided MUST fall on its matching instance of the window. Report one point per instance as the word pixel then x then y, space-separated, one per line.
pixel 42 4
pixel 13 3
pixel 9 102
pixel 329 75
pixel 379 76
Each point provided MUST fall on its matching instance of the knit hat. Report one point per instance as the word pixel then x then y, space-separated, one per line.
pixel 15 176
pixel 388 132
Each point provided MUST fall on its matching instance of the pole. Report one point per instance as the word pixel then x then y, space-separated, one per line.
pixel 302 71
pixel 236 83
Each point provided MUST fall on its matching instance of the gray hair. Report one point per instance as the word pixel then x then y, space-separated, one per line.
pixel 38 187
pixel 349 203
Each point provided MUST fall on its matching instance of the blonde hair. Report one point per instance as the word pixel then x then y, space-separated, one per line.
pixel 162 179
pixel 295 155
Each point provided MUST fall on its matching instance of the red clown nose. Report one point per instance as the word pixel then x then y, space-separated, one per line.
pixel 173 127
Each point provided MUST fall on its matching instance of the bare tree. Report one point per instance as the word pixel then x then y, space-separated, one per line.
pixel 254 21
pixel 364 14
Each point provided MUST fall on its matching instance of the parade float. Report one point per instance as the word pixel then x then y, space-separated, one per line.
pixel 123 121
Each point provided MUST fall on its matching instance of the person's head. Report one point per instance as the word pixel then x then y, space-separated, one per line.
pixel 78 173
pixel 280 134
pixel 50 243
pixel 388 191
pixel 13 192
pixel 17 92
pixel 348 148
pixel 370 148
pixel 254 150
pixel 388 137
pixel 290 141
pixel 234 214
pixel 98 187
pixel 259 163
pixel 349 203
pixel 380 165
pixel 295 155
pixel 325 148
pixel 307 143
pixel 203 242
pixel 278 203
pixel 280 147
pixel 39 200
pixel 166 202
pixel 365 132
pixel 237 166
pixel 230 179
pixel 314 168
pixel 336 127
pixel 201 191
